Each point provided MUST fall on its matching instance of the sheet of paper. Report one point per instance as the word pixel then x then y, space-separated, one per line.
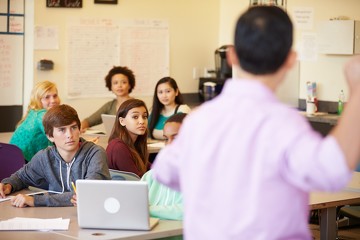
pixel 34 224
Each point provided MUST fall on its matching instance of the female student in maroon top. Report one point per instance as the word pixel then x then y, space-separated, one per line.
pixel 127 148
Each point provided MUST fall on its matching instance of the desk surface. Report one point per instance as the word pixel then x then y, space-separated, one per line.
pixel 325 200
pixel 165 228
pixel 350 195
pixel 327 203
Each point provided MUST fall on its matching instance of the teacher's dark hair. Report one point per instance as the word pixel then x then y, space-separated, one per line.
pixel 263 39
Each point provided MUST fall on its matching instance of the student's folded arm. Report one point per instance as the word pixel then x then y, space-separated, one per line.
pixel 16 183
pixel 29 175
pixel 95 118
pixel 53 200
pixel 170 212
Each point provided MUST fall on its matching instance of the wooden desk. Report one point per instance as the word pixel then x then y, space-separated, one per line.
pixel 165 228
pixel 327 203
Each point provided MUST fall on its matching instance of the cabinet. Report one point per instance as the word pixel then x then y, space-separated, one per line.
pixel 339 37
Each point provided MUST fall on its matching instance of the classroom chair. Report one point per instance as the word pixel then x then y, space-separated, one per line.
pixel 350 212
pixel 11 159
pixel 122 175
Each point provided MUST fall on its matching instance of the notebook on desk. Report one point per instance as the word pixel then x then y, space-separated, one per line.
pixel 106 204
pixel 108 121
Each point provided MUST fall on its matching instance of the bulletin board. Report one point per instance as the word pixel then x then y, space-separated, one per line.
pixel 94 46
pixel 11 52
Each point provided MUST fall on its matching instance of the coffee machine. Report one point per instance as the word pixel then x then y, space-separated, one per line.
pixel 222 71
pixel 222 68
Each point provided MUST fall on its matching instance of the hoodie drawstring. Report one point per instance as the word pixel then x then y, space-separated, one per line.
pixel 68 168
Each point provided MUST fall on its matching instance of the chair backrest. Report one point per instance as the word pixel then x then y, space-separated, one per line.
pixel 122 175
pixel 11 159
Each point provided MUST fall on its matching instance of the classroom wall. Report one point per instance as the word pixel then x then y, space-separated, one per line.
pixel 327 70
pixel 197 28
pixel 193 28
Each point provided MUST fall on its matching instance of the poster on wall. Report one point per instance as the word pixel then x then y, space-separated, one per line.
pixel 64 3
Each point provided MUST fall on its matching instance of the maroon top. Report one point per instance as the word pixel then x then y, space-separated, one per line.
pixel 119 157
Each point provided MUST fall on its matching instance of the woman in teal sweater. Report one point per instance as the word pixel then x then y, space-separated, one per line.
pixel 29 134
pixel 165 203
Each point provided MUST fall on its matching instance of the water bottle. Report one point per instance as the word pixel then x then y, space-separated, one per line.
pixel 341 102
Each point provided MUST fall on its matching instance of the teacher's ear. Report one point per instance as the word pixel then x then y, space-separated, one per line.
pixel 231 57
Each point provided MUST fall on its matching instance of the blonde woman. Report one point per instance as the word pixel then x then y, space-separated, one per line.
pixel 29 134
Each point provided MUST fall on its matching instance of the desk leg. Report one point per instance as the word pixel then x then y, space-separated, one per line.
pixel 328 229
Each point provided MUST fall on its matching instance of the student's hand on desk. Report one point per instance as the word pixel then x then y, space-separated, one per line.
pixel 5 189
pixel 22 201
pixel 74 200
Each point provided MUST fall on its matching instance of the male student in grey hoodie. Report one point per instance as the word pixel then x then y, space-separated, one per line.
pixel 54 168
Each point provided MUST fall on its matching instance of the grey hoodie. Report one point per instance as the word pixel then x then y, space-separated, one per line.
pixel 47 170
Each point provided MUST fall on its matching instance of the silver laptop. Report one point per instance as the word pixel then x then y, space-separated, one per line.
pixel 108 121
pixel 107 204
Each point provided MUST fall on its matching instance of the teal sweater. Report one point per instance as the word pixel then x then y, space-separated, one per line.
pixel 164 202
pixel 30 136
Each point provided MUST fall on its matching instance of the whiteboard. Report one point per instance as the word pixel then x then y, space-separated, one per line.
pixel 11 69
pixel 144 48
pixel 95 45
pixel 93 49
pixel 17 7
pixel 3 6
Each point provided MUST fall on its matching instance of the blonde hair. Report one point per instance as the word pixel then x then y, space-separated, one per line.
pixel 37 93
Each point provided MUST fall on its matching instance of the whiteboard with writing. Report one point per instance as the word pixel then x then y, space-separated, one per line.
pixel 144 48
pixel 11 69
pixel 93 49
pixel 11 52
pixel 94 46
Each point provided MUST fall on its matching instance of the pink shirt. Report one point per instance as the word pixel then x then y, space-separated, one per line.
pixel 245 164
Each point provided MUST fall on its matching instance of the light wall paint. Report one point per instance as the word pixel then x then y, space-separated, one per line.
pixel 327 71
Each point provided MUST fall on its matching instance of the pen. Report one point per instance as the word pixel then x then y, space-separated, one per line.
pixel 73 186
